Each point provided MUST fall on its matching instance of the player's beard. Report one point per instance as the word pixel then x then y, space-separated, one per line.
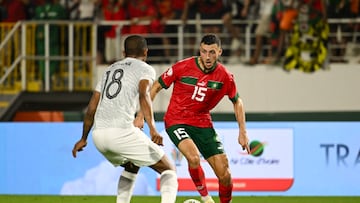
pixel 210 67
pixel 207 65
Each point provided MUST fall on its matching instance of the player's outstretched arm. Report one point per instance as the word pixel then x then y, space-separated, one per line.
pixel 155 89
pixel 87 123
pixel 240 117
pixel 138 122
pixel 147 110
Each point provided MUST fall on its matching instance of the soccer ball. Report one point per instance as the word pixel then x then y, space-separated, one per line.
pixel 192 201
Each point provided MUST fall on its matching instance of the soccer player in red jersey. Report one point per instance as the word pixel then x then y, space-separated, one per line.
pixel 199 84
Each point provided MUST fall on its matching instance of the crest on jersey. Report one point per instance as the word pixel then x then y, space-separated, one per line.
pixel 169 72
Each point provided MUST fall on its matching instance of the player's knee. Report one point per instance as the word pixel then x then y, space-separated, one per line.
pixel 193 160
pixel 225 178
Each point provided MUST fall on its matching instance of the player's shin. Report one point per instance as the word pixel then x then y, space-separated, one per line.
pixel 198 177
pixel 125 187
pixel 168 186
pixel 225 193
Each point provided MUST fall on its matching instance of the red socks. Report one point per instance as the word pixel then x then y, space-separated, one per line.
pixel 225 193
pixel 198 177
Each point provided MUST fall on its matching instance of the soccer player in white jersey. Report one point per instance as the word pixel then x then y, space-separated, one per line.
pixel 124 86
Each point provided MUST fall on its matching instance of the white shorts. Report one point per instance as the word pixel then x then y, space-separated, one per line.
pixel 122 145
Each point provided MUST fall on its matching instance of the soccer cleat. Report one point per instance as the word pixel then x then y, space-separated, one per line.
pixel 207 199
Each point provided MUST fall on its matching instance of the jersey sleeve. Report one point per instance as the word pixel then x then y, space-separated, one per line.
pixel 98 86
pixel 167 78
pixel 148 74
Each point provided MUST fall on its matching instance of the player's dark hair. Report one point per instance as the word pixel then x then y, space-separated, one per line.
pixel 135 45
pixel 209 39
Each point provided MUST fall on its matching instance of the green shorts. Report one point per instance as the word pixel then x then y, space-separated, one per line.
pixel 206 139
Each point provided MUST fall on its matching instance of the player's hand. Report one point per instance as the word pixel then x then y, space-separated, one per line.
pixel 139 121
pixel 244 142
pixel 79 146
pixel 156 137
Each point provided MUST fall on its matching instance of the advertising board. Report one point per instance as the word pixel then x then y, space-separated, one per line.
pixel 287 158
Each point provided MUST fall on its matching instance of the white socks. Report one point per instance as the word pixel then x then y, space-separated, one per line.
pixel 125 187
pixel 168 186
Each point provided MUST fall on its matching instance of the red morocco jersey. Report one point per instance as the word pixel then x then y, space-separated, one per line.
pixel 195 93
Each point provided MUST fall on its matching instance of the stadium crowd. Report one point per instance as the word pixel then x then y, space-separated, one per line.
pixel 275 20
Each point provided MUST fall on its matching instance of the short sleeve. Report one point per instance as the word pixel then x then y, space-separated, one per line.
pixel 167 78
pixel 98 86
pixel 148 74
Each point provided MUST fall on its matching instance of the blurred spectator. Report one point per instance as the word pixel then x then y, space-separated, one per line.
pixel 356 12
pixel 165 13
pixel 219 9
pixel 142 15
pixel 101 29
pixel 72 8
pixel 283 16
pixel 3 11
pixel 307 48
pixel 174 10
pixel 15 10
pixel 276 15
pixel 338 9
pixel 187 10
pixel 51 10
pixel 242 10
pixel 354 8
pixel 113 11
pixel 86 12
pixel 30 8
pixel 352 50
pixel 139 12
pixel 86 9
pixel 262 29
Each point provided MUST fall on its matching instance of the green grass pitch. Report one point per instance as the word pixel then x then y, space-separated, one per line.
pixel 180 199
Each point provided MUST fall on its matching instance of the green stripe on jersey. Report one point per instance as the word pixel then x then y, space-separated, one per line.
pixel 193 81
pixel 215 85
pixel 189 80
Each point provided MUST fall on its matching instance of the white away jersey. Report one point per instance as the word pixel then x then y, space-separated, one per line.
pixel 119 93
